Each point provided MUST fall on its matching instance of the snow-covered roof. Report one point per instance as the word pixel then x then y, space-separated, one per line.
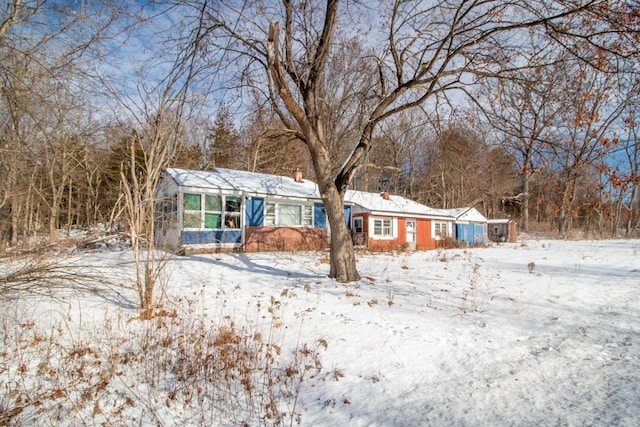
pixel 466 214
pixel 499 221
pixel 260 184
pixel 250 183
pixel 377 204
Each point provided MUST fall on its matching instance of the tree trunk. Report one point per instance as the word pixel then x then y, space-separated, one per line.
pixel 342 255
pixel 312 132
pixel 526 179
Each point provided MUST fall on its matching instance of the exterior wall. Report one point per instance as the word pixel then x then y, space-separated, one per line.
pixel 347 215
pixel 471 233
pixel 167 221
pixel 502 231
pixel 263 239
pixel 513 232
pixel 251 237
pixel 424 236
pixel 212 237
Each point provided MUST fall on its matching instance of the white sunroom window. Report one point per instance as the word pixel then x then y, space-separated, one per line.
pixel 208 211
pixel 192 211
pixel 232 210
pixel 212 211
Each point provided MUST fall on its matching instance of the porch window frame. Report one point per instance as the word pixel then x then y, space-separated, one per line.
pixel 207 209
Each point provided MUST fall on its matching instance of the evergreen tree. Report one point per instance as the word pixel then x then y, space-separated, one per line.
pixel 223 148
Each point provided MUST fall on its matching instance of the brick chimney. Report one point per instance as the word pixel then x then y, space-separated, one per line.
pixel 385 195
pixel 297 175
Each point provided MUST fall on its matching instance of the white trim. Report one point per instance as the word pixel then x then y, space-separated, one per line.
pixel 393 224
pixel 203 211
pixel 278 201
pixel 434 236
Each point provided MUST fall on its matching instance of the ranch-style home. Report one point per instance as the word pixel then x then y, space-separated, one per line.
pixel 382 222
pixel 224 209
pixel 232 210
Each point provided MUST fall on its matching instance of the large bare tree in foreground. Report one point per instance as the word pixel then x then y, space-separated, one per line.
pixel 421 51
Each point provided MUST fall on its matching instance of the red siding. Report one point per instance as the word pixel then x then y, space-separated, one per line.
pixel 424 240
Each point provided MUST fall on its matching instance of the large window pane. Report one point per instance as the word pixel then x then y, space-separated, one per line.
pixel 191 202
pixel 232 204
pixel 212 220
pixel 212 203
pixel 289 214
pixel 191 220
pixel 232 220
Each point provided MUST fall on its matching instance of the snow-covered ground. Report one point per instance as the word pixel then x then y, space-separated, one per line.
pixel 537 333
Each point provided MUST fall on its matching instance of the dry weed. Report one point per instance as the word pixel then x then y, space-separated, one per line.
pixel 170 357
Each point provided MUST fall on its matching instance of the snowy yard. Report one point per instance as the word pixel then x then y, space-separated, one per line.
pixel 538 333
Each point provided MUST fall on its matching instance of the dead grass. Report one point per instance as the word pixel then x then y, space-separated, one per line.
pixel 45 272
pixel 138 367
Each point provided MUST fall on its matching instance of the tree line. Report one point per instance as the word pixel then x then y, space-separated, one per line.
pixel 533 118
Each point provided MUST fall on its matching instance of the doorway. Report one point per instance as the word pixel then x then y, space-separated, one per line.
pixel 411 234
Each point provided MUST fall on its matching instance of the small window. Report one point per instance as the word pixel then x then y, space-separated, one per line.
pixel 358 225
pixel 441 229
pixel 232 212
pixel 382 227
pixel 307 217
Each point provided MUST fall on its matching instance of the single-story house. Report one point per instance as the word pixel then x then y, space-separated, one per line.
pixel 381 222
pixel 238 210
pixel 470 226
pixel 502 230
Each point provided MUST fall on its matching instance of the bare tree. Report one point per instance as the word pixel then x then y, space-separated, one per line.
pixel 45 54
pixel 421 50
pixel 628 180
pixel 165 101
pixel 586 134
pixel 523 109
